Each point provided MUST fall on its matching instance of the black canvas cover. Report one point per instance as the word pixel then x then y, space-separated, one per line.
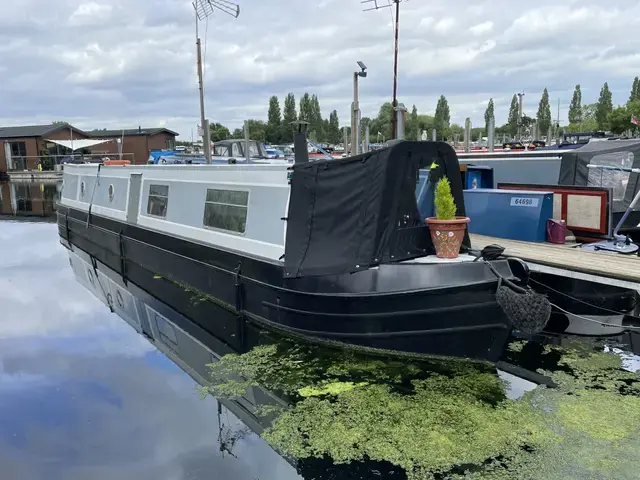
pixel 617 153
pixel 351 214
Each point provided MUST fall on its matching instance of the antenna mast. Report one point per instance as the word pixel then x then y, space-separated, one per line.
pixel 373 5
pixel 203 9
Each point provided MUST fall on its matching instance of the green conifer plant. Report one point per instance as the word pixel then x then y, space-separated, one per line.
pixel 445 205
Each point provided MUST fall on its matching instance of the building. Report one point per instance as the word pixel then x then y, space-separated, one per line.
pixel 137 142
pixel 24 147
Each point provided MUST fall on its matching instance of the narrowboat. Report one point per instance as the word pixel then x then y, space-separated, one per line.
pixel 330 250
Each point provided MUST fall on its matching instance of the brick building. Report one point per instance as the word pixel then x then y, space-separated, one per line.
pixel 25 146
pixel 138 142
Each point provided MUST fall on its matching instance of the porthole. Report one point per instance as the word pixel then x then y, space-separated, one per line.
pixel 82 189
pixel 90 276
pixel 111 192
pixel 109 300
pixel 119 299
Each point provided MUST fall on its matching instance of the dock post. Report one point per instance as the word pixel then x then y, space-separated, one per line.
pixel 467 135
pixel 400 113
pixel 491 134
pixel 346 141
pixel 247 153
pixel 206 140
pixel 365 147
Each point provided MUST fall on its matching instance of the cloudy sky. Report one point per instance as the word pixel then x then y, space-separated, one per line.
pixel 117 63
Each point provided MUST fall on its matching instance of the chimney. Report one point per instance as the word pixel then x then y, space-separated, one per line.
pixel 139 129
pixel 301 153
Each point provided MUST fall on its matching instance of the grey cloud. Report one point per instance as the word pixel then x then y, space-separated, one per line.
pixel 134 62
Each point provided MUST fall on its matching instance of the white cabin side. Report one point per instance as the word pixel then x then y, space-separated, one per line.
pixel 234 207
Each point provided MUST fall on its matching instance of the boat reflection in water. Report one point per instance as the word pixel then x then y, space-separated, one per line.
pixel 29 200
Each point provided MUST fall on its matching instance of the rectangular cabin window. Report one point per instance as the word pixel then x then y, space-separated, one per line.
pixel 166 331
pixel 221 150
pixel 226 210
pixel 158 200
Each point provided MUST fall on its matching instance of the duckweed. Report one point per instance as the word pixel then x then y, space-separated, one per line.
pixel 440 421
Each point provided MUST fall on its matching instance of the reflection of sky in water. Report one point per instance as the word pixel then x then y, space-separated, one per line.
pixel 82 395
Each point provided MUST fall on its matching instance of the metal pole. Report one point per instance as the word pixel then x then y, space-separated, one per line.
pixel 354 117
pixel 467 135
pixel 433 135
pixel 247 154
pixel 366 140
pixel 394 123
pixel 206 144
pixel 491 134
pixel 520 95
pixel 346 141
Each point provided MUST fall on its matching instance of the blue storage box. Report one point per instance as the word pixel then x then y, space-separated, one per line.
pixel 513 214
pixel 478 177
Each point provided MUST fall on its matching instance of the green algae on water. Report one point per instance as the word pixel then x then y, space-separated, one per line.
pixel 454 423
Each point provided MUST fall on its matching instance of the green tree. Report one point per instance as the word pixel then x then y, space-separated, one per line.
pixel 544 113
pixel 305 112
pixel 315 118
pixel 218 132
pixel 289 114
pixel 604 108
pixel 619 119
pixel 274 122
pixel 61 122
pixel 489 115
pixel 513 116
pixel 442 118
pixel 575 109
pixel 382 123
pixel 238 133
pixel 334 135
pixel 413 128
pixel 257 130
pixel 635 91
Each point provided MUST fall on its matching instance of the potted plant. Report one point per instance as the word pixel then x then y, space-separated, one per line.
pixel 447 230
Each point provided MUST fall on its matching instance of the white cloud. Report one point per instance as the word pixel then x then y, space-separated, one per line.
pixel 445 25
pixel 482 28
pixel 91 14
pixel 132 63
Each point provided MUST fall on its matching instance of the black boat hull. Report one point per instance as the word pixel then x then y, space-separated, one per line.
pixel 398 307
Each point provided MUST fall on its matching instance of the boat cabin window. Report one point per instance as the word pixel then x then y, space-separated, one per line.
pixel 615 179
pixel 226 210
pixel 221 150
pixel 166 331
pixel 158 200
pixel 235 150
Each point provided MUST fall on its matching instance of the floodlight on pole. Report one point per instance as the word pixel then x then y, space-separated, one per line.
pixel 203 9
pixel 355 111
pixel 376 5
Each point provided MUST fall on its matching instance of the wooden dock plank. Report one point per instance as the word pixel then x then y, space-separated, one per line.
pixel 567 257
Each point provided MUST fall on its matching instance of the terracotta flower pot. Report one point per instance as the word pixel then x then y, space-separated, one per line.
pixel 447 235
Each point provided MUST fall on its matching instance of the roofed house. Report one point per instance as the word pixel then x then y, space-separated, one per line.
pixel 138 142
pixel 22 146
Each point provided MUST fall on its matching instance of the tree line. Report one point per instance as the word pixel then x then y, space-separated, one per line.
pixel 278 129
pixel 600 115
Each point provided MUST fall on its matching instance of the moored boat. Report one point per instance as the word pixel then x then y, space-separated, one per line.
pixel 334 250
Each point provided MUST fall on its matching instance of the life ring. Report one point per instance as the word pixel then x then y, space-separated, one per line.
pixel 117 162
